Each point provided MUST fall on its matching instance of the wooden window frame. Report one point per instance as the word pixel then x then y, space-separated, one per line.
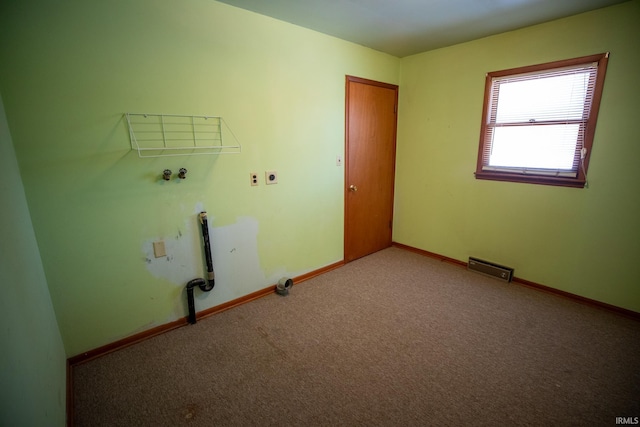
pixel 579 180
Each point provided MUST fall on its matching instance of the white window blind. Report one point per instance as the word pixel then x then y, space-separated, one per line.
pixel 536 121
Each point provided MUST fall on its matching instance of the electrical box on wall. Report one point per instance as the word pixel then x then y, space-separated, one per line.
pixel 271 177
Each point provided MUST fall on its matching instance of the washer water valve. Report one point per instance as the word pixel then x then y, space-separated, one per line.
pixel 166 174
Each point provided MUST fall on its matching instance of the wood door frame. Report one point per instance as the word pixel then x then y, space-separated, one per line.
pixel 353 79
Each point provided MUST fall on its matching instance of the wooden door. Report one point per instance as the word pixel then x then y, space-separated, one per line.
pixel 371 109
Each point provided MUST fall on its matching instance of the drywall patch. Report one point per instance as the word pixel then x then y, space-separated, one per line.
pixel 236 262
pixel 182 262
pixel 234 250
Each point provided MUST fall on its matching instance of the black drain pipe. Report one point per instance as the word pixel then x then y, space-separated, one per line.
pixel 204 285
pixel 192 307
pixel 207 253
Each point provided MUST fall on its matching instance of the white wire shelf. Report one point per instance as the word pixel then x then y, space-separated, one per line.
pixel 164 135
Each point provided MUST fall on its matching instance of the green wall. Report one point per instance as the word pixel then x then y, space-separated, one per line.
pixel 32 359
pixel 71 69
pixel 584 241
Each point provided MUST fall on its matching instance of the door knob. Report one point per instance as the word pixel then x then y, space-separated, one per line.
pixel 353 188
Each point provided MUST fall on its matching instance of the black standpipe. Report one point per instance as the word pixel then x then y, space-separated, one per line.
pixel 192 307
pixel 204 285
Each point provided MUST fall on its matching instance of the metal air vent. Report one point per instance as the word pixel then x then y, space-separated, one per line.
pixel 490 269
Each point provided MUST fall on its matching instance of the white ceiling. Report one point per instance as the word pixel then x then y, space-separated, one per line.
pixel 406 27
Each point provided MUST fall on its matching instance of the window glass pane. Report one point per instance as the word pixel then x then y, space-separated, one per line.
pixel 542 147
pixel 536 120
pixel 549 98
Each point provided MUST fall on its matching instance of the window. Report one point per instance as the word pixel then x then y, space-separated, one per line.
pixel 538 122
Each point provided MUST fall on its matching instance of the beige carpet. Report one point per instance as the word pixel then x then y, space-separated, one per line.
pixel 393 339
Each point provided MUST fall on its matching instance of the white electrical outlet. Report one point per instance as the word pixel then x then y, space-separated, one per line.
pixel 271 177
pixel 253 178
